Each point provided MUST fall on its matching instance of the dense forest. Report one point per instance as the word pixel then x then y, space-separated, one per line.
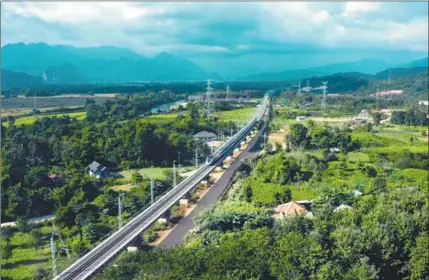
pixel 111 134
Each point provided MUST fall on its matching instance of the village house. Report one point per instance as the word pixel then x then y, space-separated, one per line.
pixel 205 136
pixel 98 170
pixel 290 209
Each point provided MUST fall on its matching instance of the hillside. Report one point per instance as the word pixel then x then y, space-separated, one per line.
pixel 11 79
pixel 424 62
pixel 66 64
pixel 343 82
pixel 401 72
pixel 366 66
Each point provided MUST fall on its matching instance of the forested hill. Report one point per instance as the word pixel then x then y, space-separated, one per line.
pixel 66 64
pixel 11 79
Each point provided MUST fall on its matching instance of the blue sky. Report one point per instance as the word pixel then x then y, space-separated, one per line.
pixel 263 36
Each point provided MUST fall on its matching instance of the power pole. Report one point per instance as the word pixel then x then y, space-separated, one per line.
pixel 196 157
pixel 308 85
pixel 152 200
pixel 63 245
pixel 54 256
pixel 209 103
pixel 299 87
pixel 324 96
pixel 232 130
pixel 178 155
pixel 377 96
pixel 34 104
pixel 120 211
pixel 227 93
pixel 174 174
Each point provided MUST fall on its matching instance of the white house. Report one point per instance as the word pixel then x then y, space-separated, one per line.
pixel 300 118
pixel 426 103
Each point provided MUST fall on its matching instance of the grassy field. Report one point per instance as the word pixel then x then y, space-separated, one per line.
pixel 25 259
pixel 155 172
pixel 238 115
pixel 265 194
pixel 32 119
pixel 162 118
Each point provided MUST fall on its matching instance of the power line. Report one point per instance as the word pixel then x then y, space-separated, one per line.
pixel 209 103
pixel 324 96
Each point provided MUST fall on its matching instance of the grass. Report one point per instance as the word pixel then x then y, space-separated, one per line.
pixel 32 119
pixel 162 118
pixel 238 115
pixel 155 172
pixel 264 193
pixel 25 259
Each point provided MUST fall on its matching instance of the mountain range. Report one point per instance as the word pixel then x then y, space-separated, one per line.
pixel 69 65
pixel 66 64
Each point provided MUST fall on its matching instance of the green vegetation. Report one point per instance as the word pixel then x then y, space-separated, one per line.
pixel 25 257
pixel 154 172
pixel 80 116
pixel 238 115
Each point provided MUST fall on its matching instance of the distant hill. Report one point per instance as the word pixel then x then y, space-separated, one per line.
pixel 11 79
pixel 342 82
pixel 401 72
pixel 66 64
pixel 424 62
pixel 365 66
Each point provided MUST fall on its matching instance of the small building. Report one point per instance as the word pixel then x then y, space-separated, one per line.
pixel 98 170
pixel 334 150
pixel 56 178
pixel 289 209
pixel 357 193
pixel 342 207
pixel 426 103
pixel 205 136
pixel 300 118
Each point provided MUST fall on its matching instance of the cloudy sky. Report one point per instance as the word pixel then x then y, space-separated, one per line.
pixel 267 34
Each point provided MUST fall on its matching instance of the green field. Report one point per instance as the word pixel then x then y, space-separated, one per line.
pixel 238 115
pixel 154 172
pixel 25 259
pixel 162 118
pixel 32 119
pixel 265 193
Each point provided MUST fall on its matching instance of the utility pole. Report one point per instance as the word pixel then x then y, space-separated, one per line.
pixel 299 87
pixel 324 96
pixel 120 211
pixel 54 256
pixel 34 104
pixel 227 93
pixel 63 245
pixel 377 96
pixel 152 200
pixel 174 174
pixel 196 157
pixel 232 130
pixel 178 154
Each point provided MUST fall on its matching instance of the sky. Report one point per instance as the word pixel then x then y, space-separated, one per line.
pixel 256 36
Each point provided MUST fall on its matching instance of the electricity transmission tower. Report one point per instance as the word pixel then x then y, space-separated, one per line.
pixel 377 96
pixel 209 103
pixel 299 87
pixel 227 93
pixel 324 96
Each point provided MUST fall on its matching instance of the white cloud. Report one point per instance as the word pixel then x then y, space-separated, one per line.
pixel 353 9
pixel 214 27
pixel 81 12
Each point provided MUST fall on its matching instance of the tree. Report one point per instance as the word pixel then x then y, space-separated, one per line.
pixel 420 258
pixel 379 185
pixel 137 178
pixel 7 251
pixel 41 274
pixel 248 194
pixel 287 195
pixel 36 235
pixel 22 224
pixel 278 198
pixel 377 117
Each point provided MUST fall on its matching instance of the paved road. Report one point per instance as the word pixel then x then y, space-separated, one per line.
pixel 177 234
